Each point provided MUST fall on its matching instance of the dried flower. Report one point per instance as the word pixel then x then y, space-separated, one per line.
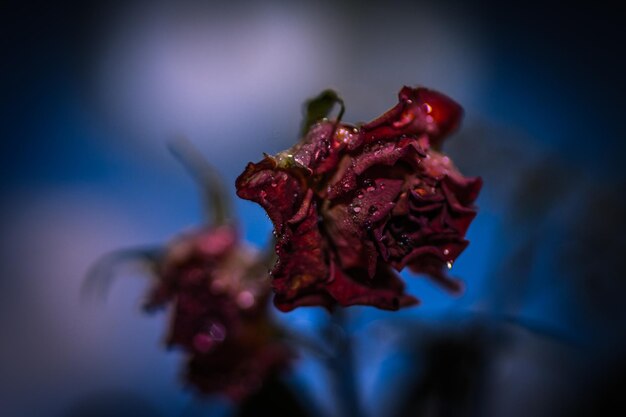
pixel 218 289
pixel 350 204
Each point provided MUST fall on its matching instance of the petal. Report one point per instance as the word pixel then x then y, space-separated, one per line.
pixel 420 111
pixel 380 157
pixel 301 267
pixel 280 192
pixel 460 197
pixel 349 221
pixel 386 291
pixel 321 149
pixel 319 298
pixel 461 192
pixel 430 260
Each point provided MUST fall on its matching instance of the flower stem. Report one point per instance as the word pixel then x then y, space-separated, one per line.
pixel 341 365
pixel 217 199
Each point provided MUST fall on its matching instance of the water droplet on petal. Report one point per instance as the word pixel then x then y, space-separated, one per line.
pixel 357 209
pixel 449 264
pixel 446 251
pixel 274 185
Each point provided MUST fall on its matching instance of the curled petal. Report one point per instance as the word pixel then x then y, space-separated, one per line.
pixel 386 291
pixel 383 156
pixel 279 192
pixel 348 204
pixel 420 111
pixel 321 149
pixel 430 262
pixel 301 269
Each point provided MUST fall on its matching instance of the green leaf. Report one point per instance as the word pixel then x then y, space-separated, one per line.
pixel 319 107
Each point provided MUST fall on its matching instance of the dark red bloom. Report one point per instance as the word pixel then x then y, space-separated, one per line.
pixel 350 204
pixel 218 291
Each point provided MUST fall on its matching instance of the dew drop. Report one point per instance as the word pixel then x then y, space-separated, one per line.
pixel 360 196
pixel 446 251
pixel 274 185
pixel 370 189
pixel 356 209
pixel 449 264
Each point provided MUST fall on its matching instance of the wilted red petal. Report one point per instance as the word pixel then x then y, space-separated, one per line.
pixel 420 111
pixel 301 268
pixel 365 200
pixel 279 192
pixel 218 292
pixel 386 291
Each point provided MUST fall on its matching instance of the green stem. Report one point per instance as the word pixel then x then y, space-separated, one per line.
pixel 218 204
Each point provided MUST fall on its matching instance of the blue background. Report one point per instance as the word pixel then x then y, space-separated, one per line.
pixel 91 93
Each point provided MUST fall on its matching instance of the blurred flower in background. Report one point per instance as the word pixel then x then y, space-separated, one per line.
pixel 92 91
pixel 218 291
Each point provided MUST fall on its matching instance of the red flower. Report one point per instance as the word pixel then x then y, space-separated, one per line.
pixel 349 203
pixel 218 290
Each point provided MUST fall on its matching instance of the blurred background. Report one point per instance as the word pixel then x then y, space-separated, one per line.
pixel 92 91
